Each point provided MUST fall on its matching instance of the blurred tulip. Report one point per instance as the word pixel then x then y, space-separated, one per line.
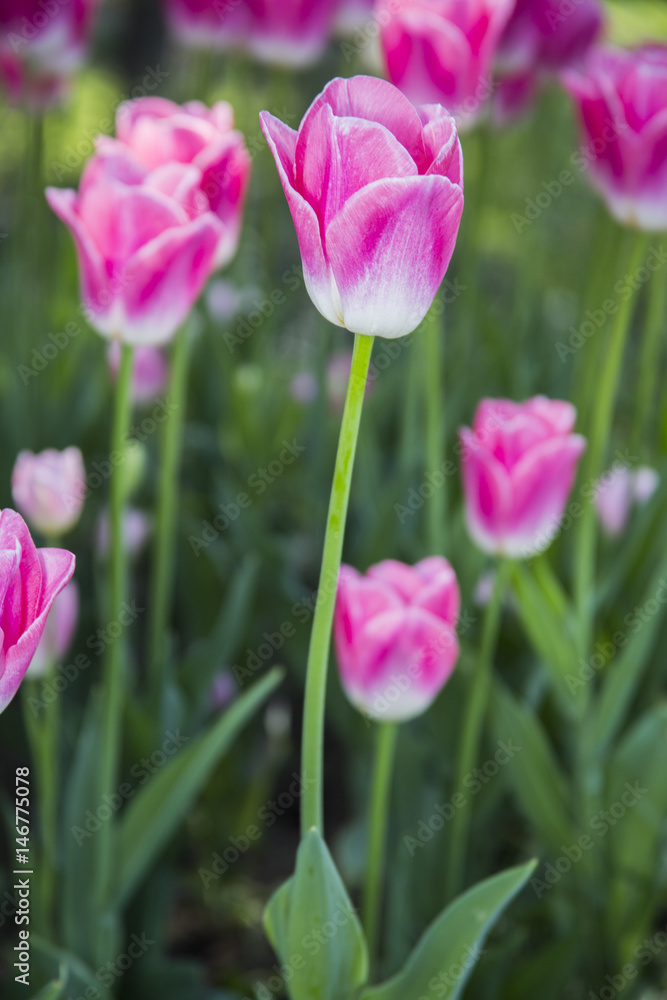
pixel 304 388
pixel 291 33
pixel 519 463
pixel 49 488
pixel 166 138
pixel 395 635
pixel 338 376
pixel 541 39
pixel 442 51
pixel 375 191
pixel 618 491
pixel 58 631
pixel 223 689
pixel 150 371
pixel 622 102
pixel 42 44
pixel 146 245
pixel 30 581
pixel 137 528
pixel 354 14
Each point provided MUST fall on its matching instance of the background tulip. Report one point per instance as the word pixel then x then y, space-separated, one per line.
pixel 49 488
pixel 41 46
pixel 519 462
pixel 137 527
pixel 375 189
pixel 146 245
pixel 395 635
pixel 291 33
pixel 163 136
pixel 58 631
pixel 442 51
pixel 618 491
pixel 542 38
pixel 622 102
pixel 30 581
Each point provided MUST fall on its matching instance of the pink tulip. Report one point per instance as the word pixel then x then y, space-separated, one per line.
pixel 291 33
pixel 542 38
pixel 150 371
pixel 519 462
pixel 146 245
pixel 395 635
pixel 622 102
pixel 375 189
pixel 354 14
pixel 42 44
pixel 618 491
pixel 30 581
pixel 442 51
pixel 58 632
pixel 49 488
pixel 193 148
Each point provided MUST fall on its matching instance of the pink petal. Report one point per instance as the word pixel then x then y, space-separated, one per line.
pixel 94 283
pixel 389 248
pixel 488 494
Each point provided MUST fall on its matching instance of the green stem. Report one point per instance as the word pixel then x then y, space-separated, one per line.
pixel 318 653
pixel 163 563
pixel 114 676
pixel 433 356
pixel 385 754
pixel 649 365
pixel 471 732
pixel 598 444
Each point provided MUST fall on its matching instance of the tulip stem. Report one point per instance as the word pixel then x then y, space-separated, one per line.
pixel 471 732
pixel 114 677
pixel 320 639
pixel 598 441
pixel 437 509
pixel 167 500
pixel 383 769
pixel 649 365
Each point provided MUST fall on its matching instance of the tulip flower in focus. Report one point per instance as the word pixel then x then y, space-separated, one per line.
pixel 375 188
pixel 30 581
pixel 519 463
pixel 58 632
pixel 395 635
pixel 42 46
pixel 622 102
pixel 150 371
pixel 292 33
pixel 49 489
pixel 442 51
pixel 618 491
pixel 194 151
pixel 146 244
pixel 540 40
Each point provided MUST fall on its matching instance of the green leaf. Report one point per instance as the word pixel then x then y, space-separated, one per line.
pixel 155 814
pixel 80 976
pixel 538 781
pixel 55 989
pixel 636 805
pixel 545 617
pixel 451 946
pixel 315 930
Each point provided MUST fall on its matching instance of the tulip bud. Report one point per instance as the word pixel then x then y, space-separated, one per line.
pixel 50 488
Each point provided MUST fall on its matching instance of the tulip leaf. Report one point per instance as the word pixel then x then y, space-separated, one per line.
pixel 448 951
pixel 55 989
pixel 314 929
pixel 80 977
pixel 538 781
pixel 545 619
pixel 157 811
pixel 635 807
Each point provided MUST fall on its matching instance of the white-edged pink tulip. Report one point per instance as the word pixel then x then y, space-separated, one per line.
pixel 375 188
pixel 50 488
pixel 395 635
pixel 59 631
